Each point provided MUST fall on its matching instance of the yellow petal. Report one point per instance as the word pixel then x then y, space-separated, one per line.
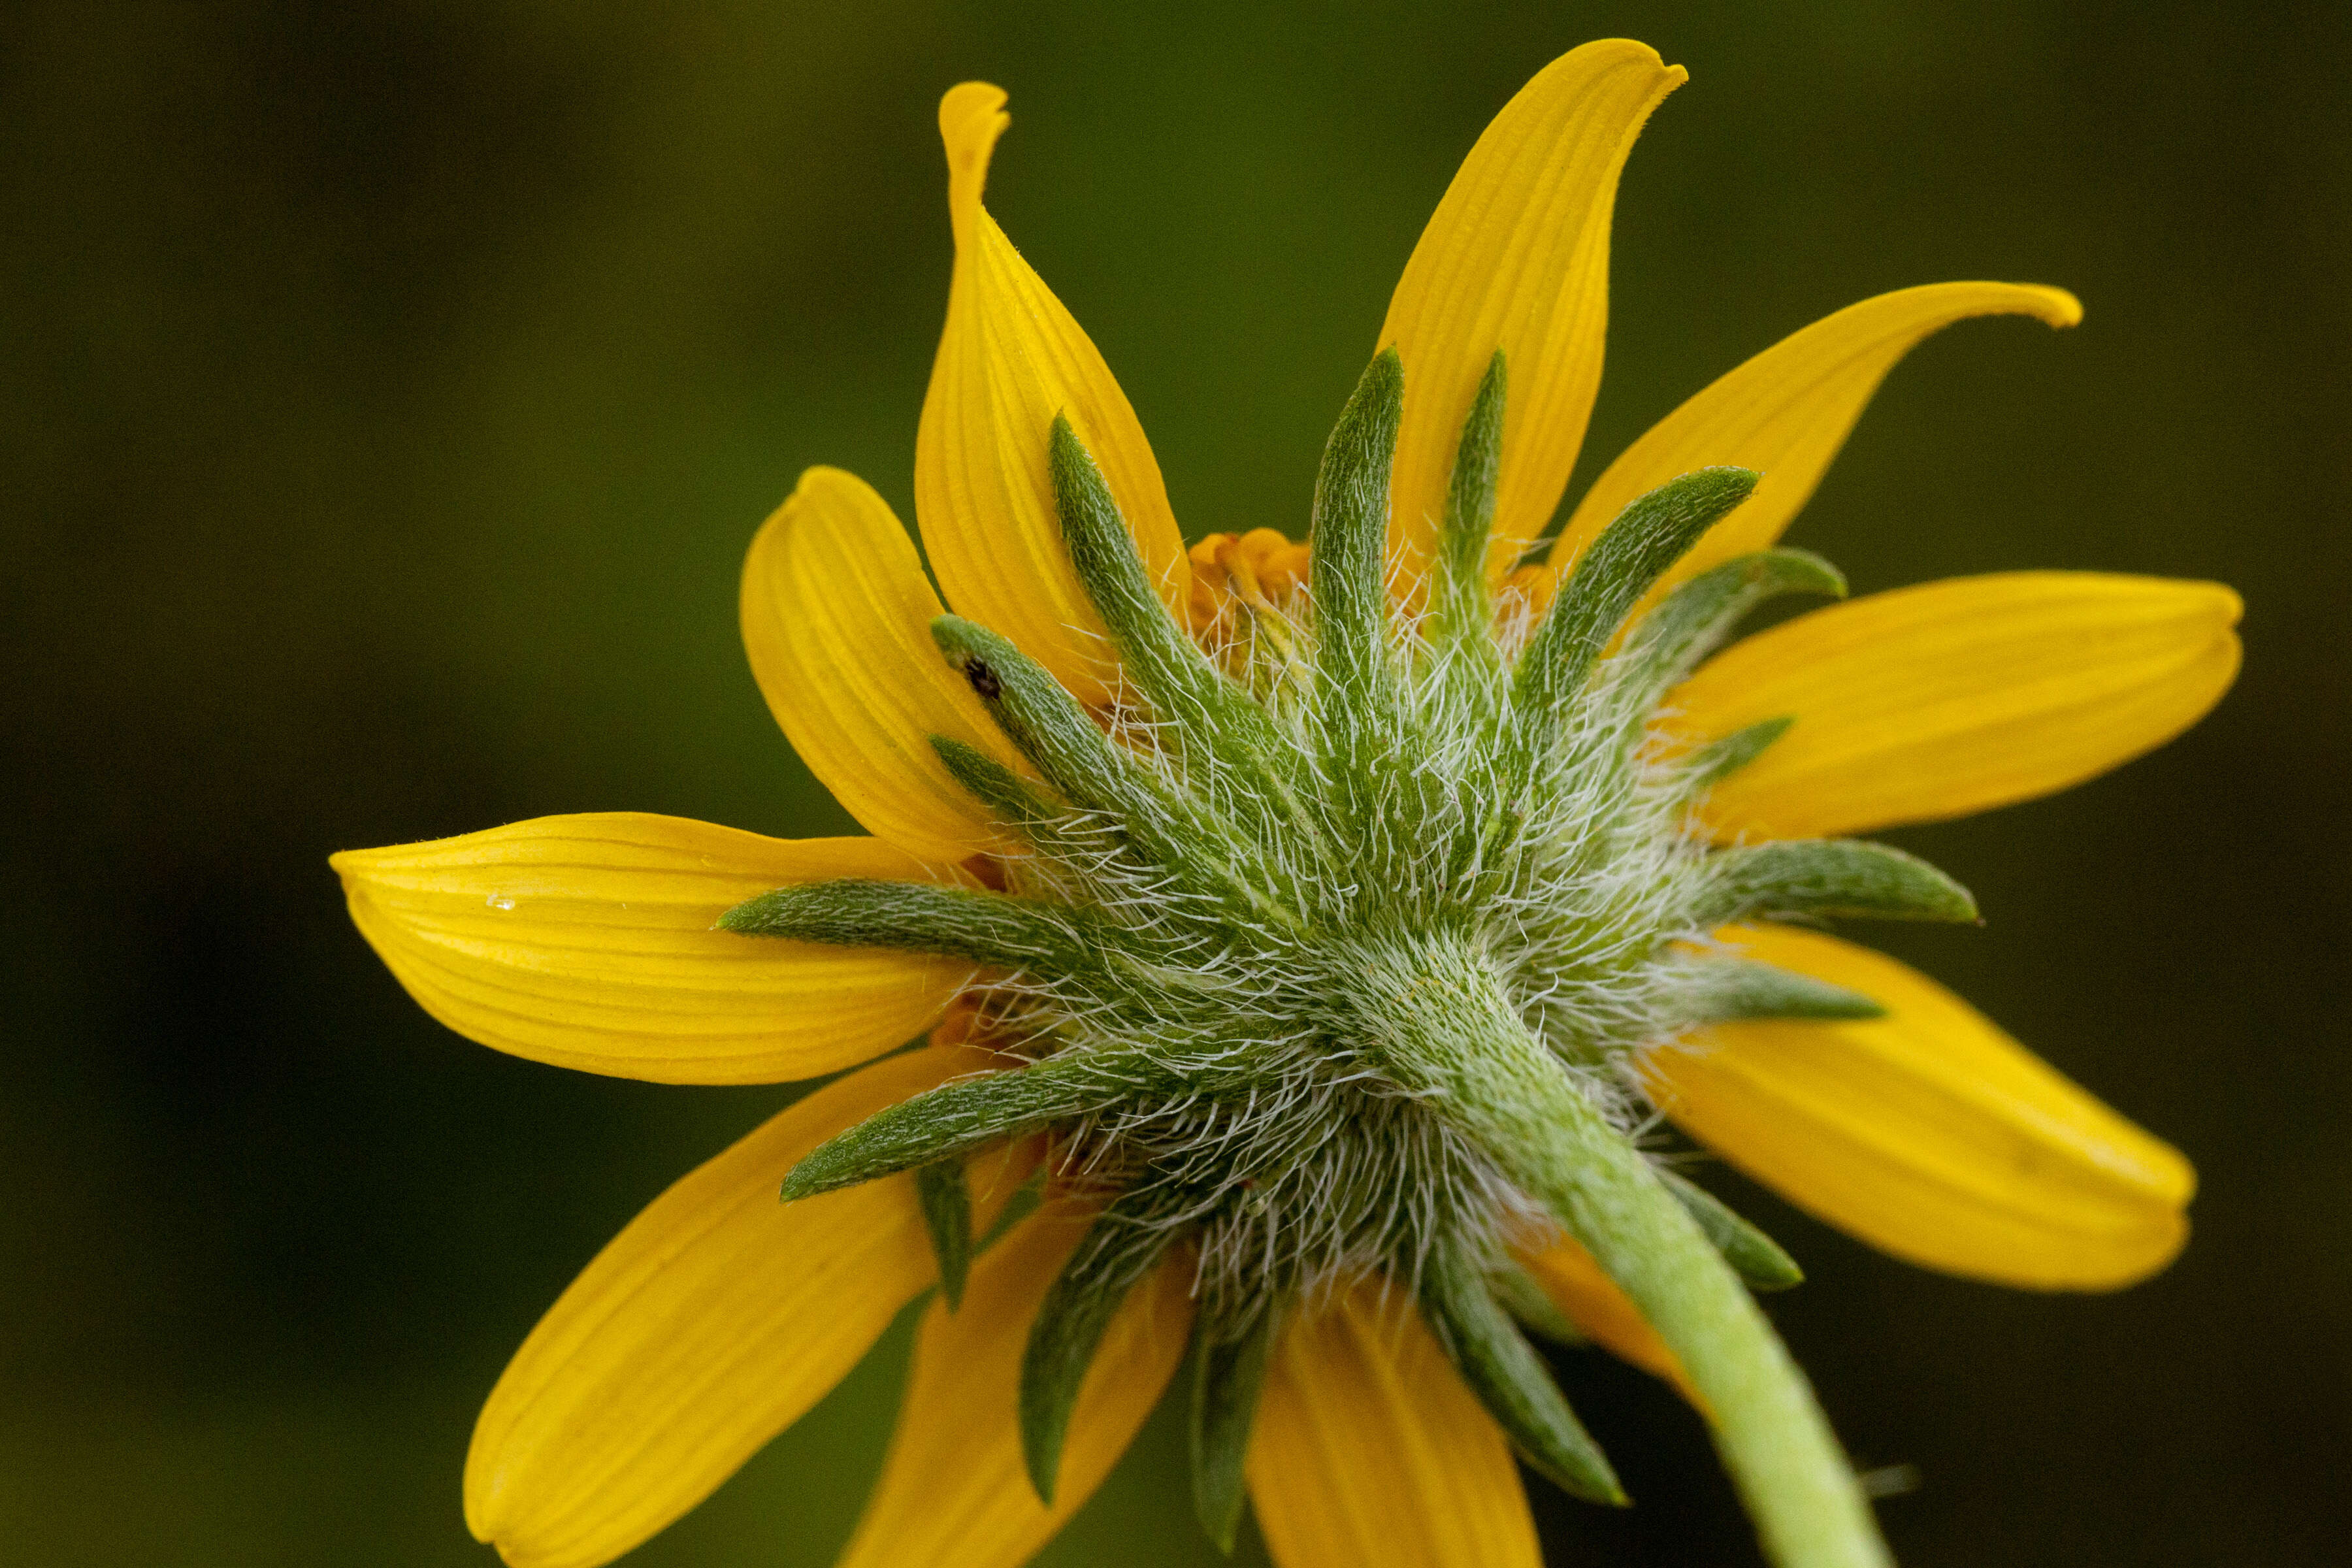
pixel 837 619
pixel 1010 359
pixel 587 941
pixel 954 1488
pixel 1786 412
pixel 710 1323
pixel 1928 1134
pixel 1958 696
pixel 1573 1279
pixel 1517 258
pixel 1370 1453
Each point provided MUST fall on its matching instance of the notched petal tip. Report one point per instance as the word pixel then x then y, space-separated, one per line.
pixel 1964 300
pixel 2218 601
pixel 1789 409
pixel 1012 357
pixel 2059 307
pixel 972 117
pixel 1613 54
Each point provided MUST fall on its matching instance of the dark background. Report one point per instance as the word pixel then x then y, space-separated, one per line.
pixel 390 391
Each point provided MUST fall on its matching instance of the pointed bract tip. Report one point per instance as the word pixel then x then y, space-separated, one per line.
pixel 835 1164
pixel 959 639
pixel 1728 479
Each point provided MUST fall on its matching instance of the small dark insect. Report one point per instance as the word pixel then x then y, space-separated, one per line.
pixel 983 680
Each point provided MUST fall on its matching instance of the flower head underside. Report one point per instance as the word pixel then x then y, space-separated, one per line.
pixel 1312 932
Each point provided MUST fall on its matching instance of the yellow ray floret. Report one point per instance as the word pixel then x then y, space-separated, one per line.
pixel 1370 1453
pixel 709 1324
pixel 1960 695
pixel 954 1487
pixel 589 941
pixel 837 620
pixel 1515 258
pixel 1011 358
pixel 1786 411
pixel 1484 823
pixel 1928 1134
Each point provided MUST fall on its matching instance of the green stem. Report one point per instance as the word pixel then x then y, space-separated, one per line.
pixel 1449 1032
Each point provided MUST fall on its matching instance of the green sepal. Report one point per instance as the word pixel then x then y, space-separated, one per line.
pixel 1632 553
pixel 946 1200
pixel 1046 723
pixel 1753 1256
pixel 1466 601
pixel 1227 1375
pixel 1688 623
pixel 1350 532
pixel 1733 990
pixel 1154 652
pixel 1118 1249
pixel 997 930
pixel 1719 759
pixel 1183 685
pixel 1054 732
pixel 992 783
pixel 1048 826
pixel 1829 877
pixel 1214 719
pixel 1511 1381
pixel 956 1119
pixel 1517 1292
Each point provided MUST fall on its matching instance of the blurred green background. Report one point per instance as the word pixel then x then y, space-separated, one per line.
pixel 389 393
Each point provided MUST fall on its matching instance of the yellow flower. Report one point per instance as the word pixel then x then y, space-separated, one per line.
pixel 1859 1088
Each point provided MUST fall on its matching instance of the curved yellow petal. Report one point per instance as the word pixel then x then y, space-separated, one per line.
pixel 1517 258
pixel 1955 696
pixel 837 619
pixel 1573 1279
pixel 587 941
pixel 1787 411
pixel 1010 359
pixel 709 1324
pixel 954 1487
pixel 1928 1134
pixel 1370 1453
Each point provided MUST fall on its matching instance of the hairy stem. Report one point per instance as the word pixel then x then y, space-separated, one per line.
pixel 1449 1032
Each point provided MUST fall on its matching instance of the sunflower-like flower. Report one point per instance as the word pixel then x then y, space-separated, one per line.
pixel 1306 932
